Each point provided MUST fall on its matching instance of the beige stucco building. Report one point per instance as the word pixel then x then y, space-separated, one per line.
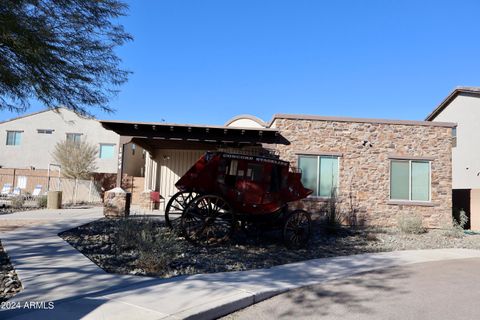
pixel 377 169
pixel 462 106
pixel 27 142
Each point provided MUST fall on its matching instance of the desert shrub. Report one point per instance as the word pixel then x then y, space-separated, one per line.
pixel 371 237
pixel 460 218
pixel 333 217
pixel 42 201
pixel 456 227
pixel 154 262
pixel 156 245
pixel 127 235
pixel 17 202
pixel 410 223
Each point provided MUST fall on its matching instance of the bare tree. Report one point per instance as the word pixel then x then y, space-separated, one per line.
pixel 76 158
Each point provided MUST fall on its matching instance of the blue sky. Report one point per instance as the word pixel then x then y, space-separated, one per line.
pixel 206 61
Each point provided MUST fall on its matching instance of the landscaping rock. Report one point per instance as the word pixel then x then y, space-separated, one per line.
pixel 147 247
pixel 9 282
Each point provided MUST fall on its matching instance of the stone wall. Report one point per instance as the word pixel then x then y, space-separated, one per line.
pixel 364 182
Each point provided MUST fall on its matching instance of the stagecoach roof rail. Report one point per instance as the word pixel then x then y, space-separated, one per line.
pixel 268 152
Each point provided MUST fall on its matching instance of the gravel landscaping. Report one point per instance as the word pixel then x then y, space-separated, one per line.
pixel 146 247
pixel 9 283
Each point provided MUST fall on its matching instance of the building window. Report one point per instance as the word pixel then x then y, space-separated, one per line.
pixel 320 174
pixel 14 138
pixel 45 131
pixel 410 180
pixel 133 149
pixel 454 137
pixel 107 151
pixel 74 137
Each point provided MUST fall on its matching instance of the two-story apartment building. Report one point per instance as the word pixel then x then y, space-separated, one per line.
pixel 462 106
pixel 27 142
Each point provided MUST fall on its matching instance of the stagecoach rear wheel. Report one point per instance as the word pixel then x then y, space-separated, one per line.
pixel 175 207
pixel 208 220
pixel 297 228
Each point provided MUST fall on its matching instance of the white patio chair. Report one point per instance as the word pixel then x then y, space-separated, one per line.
pixel 16 192
pixel 37 191
pixel 6 190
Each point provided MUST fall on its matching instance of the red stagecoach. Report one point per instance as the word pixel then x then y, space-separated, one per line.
pixel 224 190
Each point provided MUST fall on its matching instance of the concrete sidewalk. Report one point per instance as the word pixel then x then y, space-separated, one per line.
pixel 48 267
pixel 51 270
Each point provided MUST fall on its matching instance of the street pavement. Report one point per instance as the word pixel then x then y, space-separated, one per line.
pixel 434 290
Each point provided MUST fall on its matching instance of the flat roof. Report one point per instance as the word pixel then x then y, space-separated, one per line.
pixel 362 120
pixel 199 133
pixel 185 125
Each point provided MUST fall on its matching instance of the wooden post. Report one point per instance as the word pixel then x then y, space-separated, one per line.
pixel 121 157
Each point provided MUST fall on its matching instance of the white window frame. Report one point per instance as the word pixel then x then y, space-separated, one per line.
pixel 73 133
pixel 100 150
pixel 454 137
pixel 318 156
pixel 410 180
pixel 16 132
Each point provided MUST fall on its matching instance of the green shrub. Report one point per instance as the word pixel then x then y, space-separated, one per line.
pixel 17 202
pixel 42 201
pixel 410 223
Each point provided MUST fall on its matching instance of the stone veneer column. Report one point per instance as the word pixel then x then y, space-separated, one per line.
pixel 117 203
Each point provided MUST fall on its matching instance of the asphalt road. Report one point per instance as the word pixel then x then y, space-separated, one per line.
pixel 433 290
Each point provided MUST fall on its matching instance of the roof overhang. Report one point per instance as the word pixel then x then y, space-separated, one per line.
pixel 471 91
pixel 156 134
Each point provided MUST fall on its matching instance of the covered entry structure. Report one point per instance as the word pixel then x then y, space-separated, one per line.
pixel 171 149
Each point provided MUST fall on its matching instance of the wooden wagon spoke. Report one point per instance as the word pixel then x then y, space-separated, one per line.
pixel 216 225
pixel 297 228
pixel 179 209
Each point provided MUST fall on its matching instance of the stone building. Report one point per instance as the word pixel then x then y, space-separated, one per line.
pixel 376 170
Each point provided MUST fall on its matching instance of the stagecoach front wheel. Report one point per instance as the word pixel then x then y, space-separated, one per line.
pixel 175 207
pixel 207 220
pixel 297 228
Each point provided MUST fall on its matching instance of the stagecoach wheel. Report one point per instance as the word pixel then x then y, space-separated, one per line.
pixel 175 207
pixel 208 220
pixel 297 228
